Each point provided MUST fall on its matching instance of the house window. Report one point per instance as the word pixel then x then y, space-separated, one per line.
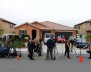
pixel 78 27
pixel 11 25
pixel 22 32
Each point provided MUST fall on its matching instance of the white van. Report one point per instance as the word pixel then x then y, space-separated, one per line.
pixel 48 36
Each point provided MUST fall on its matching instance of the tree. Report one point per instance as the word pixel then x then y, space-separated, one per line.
pixel 88 37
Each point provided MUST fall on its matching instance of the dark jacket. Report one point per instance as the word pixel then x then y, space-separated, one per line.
pixel 50 43
pixel 31 45
pixel 67 44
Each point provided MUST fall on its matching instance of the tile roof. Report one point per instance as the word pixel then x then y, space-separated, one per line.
pixel 43 28
pixel 56 26
pixel 40 26
pixel 26 23
pixel 47 25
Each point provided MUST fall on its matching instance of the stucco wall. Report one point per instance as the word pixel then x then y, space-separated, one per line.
pixel 29 29
pixel 84 27
pixel 6 27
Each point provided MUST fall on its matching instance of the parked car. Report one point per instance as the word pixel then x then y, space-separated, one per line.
pixel 12 52
pixel 71 38
pixel 48 36
pixel 59 39
pixel 80 43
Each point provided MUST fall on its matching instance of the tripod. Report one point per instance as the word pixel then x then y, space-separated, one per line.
pixel 73 50
pixel 55 52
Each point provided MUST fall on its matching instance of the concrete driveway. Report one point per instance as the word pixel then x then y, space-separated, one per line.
pixel 60 48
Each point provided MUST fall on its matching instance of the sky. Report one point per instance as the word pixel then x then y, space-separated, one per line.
pixel 66 12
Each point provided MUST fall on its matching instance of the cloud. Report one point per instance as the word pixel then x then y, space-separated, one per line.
pixel 66 11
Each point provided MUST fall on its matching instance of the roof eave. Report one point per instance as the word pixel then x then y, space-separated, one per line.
pixel 7 21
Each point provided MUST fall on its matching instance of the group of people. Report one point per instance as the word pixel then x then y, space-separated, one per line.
pixel 51 46
pixel 34 46
pixel 68 48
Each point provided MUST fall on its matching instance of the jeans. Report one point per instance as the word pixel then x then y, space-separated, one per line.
pixel 67 52
pixel 49 53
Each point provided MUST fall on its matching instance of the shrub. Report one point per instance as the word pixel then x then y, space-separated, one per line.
pixel 16 36
pixel 88 37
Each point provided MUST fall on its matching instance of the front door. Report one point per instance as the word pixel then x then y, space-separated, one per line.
pixel 33 34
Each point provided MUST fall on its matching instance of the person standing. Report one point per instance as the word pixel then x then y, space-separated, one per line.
pixel 50 45
pixel 89 51
pixel 31 46
pixel 8 43
pixel 39 47
pixel 67 46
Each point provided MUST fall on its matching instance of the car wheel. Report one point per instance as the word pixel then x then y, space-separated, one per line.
pixel 3 55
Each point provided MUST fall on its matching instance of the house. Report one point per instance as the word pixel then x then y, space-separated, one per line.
pixel 84 27
pixel 38 29
pixel 6 27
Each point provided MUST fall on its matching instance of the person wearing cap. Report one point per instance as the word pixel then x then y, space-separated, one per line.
pixel 50 45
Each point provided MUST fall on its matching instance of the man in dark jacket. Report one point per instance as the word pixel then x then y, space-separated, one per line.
pixel 50 46
pixel 31 46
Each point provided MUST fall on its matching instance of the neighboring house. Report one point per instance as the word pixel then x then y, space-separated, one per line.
pixel 6 27
pixel 38 29
pixel 84 27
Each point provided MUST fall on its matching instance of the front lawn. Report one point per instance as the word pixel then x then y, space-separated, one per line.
pixel 15 44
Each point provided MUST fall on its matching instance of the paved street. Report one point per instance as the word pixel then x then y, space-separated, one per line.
pixel 41 65
pixel 61 64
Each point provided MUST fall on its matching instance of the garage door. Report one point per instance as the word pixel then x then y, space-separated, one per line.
pixel 65 34
pixel 43 33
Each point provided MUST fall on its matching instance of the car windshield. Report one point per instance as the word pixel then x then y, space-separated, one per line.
pixel 81 40
pixel 47 36
pixel 59 36
pixel 72 37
